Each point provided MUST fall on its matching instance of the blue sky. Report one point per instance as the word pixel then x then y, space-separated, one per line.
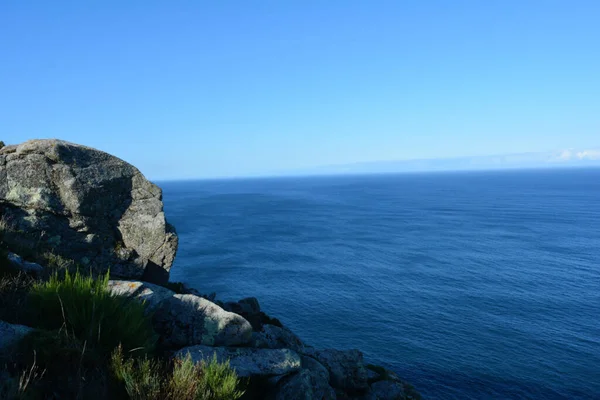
pixel 233 88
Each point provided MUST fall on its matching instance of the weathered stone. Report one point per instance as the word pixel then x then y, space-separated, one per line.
pixel 248 362
pixel 18 264
pixel 10 335
pixel 388 390
pixel 346 369
pixel 313 365
pixel 274 337
pixel 248 308
pixel 304 385
pixel 87 206
pixel 152 295
pixel 185 320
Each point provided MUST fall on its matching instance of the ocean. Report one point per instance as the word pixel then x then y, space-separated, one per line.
pixel 470 285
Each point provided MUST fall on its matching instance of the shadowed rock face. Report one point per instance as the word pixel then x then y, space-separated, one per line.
pixel 88 206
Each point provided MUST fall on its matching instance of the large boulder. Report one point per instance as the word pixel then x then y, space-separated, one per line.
pixel 303 385
pixel 346 368
pixel 185 319
pixel 274 337
pixel 10 335
pixel 388 390
pixel 151 295
pixel 87 206
pixel 247 362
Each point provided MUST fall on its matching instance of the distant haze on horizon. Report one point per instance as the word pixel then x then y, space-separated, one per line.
pixel 569 158
pixel 186 90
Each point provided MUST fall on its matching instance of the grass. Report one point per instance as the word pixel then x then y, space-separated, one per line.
pixel 84 307
pixel 141 378
pixel 69 368
pixel 90 344
pixel 147 379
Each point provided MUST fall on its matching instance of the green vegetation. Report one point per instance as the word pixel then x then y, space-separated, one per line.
pixel 84 307
pixel 90 344
pixel 146 379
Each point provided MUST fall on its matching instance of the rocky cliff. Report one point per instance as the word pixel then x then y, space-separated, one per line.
pixel 88 206
pixel 100 212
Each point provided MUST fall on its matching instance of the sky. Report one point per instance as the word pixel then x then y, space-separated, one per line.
pixel 201 89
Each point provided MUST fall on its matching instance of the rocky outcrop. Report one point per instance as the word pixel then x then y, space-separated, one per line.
pixel 249 308
pixel 85 205
pixel 151 295
pixel 88 207
pixel 274 337
pixel 387 390
pixel 185 319
pixel 346 368
pixel 10 335
pixel 247 362
pixel 304 385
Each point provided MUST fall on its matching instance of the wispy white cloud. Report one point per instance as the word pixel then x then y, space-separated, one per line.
pixel 593 154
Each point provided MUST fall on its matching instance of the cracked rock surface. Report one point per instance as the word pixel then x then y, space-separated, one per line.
pixel 86 205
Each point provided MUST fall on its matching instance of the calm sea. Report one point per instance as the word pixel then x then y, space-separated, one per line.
pixel 481 285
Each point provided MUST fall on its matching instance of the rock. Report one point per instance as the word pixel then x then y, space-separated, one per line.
pixel 274 337
pixel 248 362
pixel 18 264
pixel 346 369
pixel 304 385
pixel 10 335
pixel 185 320
pixel 87 206
pixel 152 295
pixel 250 305
pixel 313 365
pixel 388 390
pixel 248 308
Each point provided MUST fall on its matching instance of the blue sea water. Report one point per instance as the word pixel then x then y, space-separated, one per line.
pixel 479 285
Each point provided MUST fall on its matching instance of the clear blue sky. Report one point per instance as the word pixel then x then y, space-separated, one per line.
pixel 229 88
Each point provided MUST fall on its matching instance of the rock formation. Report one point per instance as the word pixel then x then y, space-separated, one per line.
pixel 85 205
pixel 90 207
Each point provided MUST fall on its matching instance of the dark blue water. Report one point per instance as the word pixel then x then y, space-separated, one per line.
pixel 469 285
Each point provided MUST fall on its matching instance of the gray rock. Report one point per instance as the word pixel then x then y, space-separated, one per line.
pixel 346 369
pixel 388 390
pixel 185 319
pixel 304 385
pixel 10 335
pixel 246 361
pixel 313 365
pixel 85 205
pixel 18 264
pixel 274 337
pixel 248 308
pixel 152 295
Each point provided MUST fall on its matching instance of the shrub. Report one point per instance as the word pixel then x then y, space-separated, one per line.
pixel 84 307
pixel 217 381
pixel 148 379
pixel 141 377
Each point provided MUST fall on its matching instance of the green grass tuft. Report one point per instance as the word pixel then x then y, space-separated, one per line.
pixel 218 381
pixel 141 378
pixel 84 307
pixel 148 379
